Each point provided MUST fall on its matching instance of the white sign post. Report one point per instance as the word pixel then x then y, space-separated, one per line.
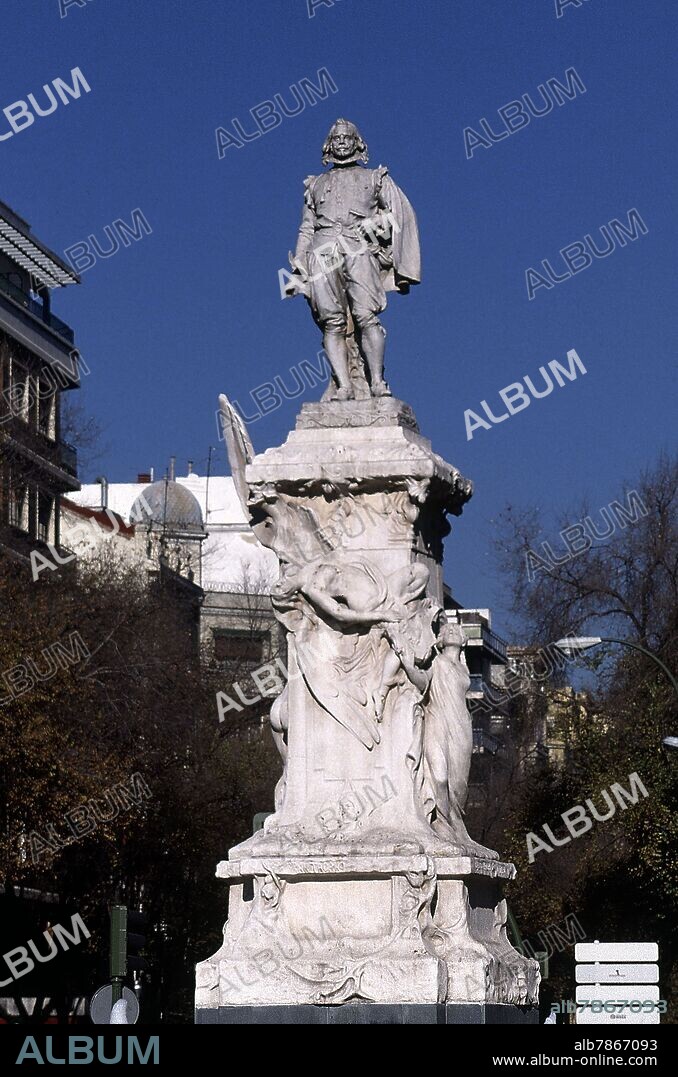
pixel 618 983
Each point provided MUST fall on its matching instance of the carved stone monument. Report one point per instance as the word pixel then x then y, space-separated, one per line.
pixel 363 899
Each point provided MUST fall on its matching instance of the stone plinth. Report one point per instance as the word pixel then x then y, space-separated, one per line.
pixel 391 930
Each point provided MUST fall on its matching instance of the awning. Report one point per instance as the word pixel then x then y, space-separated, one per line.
pixel 32 255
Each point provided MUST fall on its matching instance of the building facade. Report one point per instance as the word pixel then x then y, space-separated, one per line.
pixel 196 527
pixel 486 657
pixel 38 363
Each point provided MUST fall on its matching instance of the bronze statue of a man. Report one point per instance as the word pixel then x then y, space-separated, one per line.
pixel 358 239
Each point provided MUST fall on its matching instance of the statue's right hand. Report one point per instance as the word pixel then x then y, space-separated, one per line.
pixel 296 286
pixel 386 614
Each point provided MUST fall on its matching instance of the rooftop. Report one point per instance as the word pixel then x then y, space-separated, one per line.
pixel 232 556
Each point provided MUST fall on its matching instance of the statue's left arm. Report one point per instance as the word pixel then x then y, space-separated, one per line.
pixel 345 614
pixel 404 231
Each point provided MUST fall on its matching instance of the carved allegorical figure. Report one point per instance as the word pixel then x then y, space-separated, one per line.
pixel 370 649
pixel 329 609
pixel 339 616
pixel 449 736
pixel 411 637
pixel 358 240
pixel 448 741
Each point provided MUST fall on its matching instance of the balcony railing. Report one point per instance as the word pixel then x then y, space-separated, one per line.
pixel 25 439
pixel 36 309
pixel 68 456
pixel 495 642
pixel 490 696
pixel 490 639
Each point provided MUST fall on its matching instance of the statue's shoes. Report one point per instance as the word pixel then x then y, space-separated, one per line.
pixel 342 394
pixel 381 389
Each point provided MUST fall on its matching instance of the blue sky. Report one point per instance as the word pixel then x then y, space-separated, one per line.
pixel 194 309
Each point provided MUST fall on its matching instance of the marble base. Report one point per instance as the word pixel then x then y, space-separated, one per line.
pixel 353 930
pixel 375 411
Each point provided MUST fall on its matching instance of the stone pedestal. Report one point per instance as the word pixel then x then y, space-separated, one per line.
pixel 392 930
pixel 362 468
pixel 364 890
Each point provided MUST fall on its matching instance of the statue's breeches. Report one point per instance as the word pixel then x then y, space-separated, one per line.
pixel 341 281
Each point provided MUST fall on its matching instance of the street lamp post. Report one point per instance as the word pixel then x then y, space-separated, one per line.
pixel 574 645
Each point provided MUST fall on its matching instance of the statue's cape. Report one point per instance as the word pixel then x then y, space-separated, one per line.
pixel 404 240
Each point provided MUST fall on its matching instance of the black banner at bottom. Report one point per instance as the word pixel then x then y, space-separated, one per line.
pixel 499 1047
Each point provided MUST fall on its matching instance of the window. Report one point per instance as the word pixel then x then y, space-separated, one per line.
pixel 32 512
pixel 46 409
pixel 33 401
pixel 45 504
pixel 12 283
pixel 18 505
pixel 4 383
pixel 245 648
pixel 4 493
pixel 19 391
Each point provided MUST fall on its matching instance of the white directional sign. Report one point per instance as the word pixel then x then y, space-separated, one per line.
pixel 624 1004
pixel 617 973
pixel 616 951
pixel 620 983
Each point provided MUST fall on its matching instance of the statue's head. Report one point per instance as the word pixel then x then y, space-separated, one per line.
pixel 451 636
pixel 344 145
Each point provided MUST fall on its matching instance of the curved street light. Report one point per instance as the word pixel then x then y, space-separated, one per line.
pixel 574 645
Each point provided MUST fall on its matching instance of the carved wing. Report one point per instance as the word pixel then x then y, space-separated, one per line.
pixel 239 448
pixel 339 686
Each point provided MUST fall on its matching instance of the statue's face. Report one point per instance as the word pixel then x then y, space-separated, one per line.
pixel 450 641
pixel 343 143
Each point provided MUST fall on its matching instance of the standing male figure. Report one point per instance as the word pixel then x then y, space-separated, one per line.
pixel 358 239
